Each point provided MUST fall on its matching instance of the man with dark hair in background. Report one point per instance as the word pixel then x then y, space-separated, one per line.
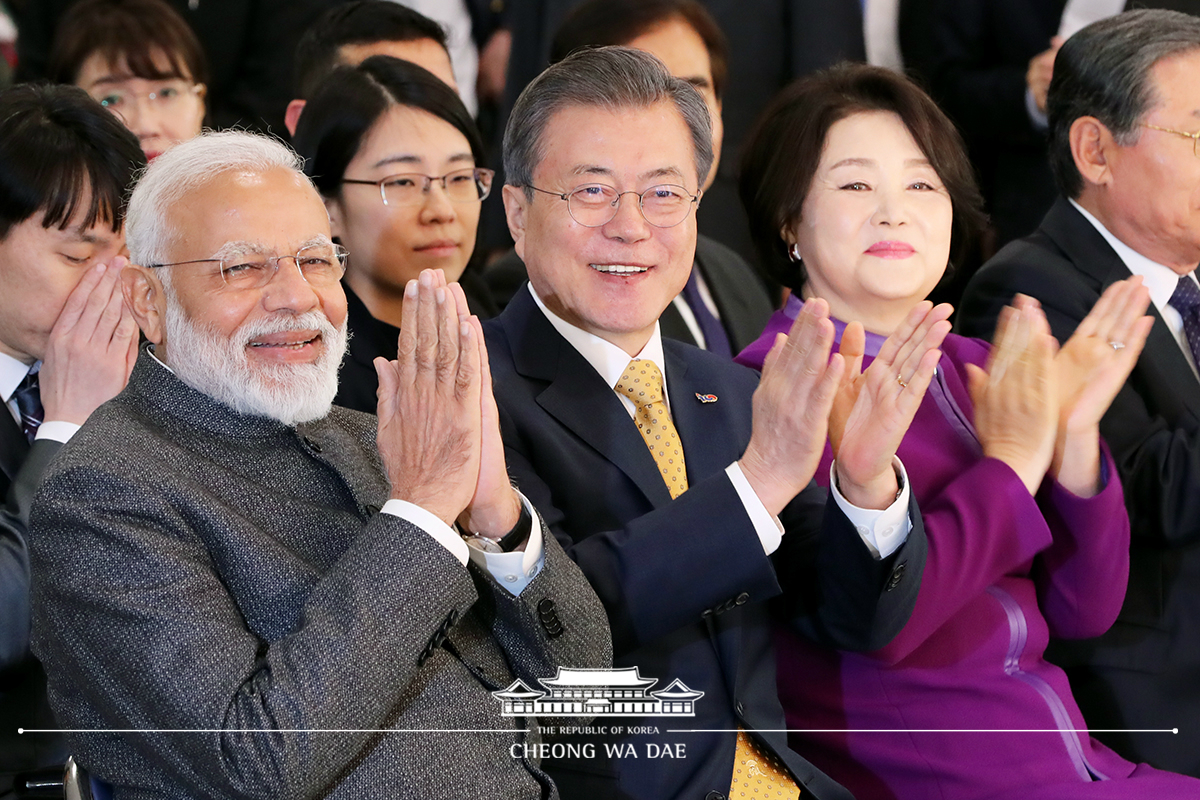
pixel 350 33
pixel 725 304
pixel 1124 119
pixel 66 343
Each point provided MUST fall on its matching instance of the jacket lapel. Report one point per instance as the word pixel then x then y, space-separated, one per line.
pixel 14 447
pixel 578 397
pixel 1093 256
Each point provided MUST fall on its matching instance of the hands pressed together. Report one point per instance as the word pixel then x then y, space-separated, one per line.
pixel 439 430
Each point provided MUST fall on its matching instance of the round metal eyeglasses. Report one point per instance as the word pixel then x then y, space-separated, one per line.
pixel 468 185
pixel 321 265
pixel 595 204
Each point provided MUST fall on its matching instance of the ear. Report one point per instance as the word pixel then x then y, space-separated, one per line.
pixel 1091 148
pixel 515 206
pixel 291 117
pixel 201 91
pixel 144 296
pixel 333 207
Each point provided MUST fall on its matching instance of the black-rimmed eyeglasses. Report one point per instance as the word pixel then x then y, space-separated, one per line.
pixel 595 204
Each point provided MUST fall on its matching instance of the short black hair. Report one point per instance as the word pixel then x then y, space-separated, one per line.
pixel 59 150
pixel 783 152
pixel 357 22
pixel 351 99
pixel 133 31
pixel 599 23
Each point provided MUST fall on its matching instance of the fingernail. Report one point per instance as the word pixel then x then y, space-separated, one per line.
pixel 410 290
pixel 426 278
pixel 439 294
pixel 464 329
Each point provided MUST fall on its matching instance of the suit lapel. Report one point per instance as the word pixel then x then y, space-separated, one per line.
pixel 14 447
pixel 578 397
pixel 695 421
pixel 1093 256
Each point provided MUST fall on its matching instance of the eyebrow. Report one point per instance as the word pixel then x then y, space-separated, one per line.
pixel 86 237
pixel 409 158
pixel 699 81
pixel 870 162
pixel 660 172
pixel 245 248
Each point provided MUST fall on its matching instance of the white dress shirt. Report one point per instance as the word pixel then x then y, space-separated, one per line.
pixel 1159 279
pixel 12 372
pixel 882 531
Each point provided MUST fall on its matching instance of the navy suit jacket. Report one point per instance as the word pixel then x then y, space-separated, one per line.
pixel 685 582
pixel 1142 673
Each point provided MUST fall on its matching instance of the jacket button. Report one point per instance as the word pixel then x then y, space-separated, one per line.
pixel 739 708
pixel 311 445
pixel 897 576
pixel 714 796
pixel 742 599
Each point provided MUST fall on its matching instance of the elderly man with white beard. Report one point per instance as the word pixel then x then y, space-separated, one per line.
pixel 242 591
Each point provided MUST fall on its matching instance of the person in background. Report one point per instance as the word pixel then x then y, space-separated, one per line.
pixel 1124 112
pixel 724 304
pixel 67 345
pixel 141 61
pixel 352 32
pixel 859 177
pixel 248 45
pixel 398 162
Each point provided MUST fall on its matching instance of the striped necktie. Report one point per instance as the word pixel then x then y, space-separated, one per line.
pixel 29 405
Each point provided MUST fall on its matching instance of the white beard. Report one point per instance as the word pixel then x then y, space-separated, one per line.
pixel 219 367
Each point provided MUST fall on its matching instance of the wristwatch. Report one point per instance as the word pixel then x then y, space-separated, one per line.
pixel 509 541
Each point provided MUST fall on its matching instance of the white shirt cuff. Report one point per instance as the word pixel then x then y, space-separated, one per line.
pixel 515 570
pixel 426 521
pixel 881 531
pixel 766 525
pixel 1038 117
pixel 57 431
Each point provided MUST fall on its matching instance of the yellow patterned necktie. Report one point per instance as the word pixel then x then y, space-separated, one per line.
pixel 756 774
pixel 642 383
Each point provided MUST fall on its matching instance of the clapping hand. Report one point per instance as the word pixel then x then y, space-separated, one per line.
pixel 873 409
pixel 1016 398
pixel 1091 368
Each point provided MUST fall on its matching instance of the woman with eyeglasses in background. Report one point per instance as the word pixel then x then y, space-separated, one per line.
pixel 396 156
pixel 141 61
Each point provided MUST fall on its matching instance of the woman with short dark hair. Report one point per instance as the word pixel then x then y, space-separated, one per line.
pixel 398 160
pixel 140 59
pixel 857 185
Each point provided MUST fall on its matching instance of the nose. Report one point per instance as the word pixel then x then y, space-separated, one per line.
pixel 436 205
pixel 628 224
pixel 140 116
pixel 892 208
pixel 288 291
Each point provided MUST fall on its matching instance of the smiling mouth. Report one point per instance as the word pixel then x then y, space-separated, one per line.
pixel 286 345
pixel 618 269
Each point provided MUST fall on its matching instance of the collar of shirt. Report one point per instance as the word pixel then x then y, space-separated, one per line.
pixel 12 372
pixel 605 357
pixel 1160 280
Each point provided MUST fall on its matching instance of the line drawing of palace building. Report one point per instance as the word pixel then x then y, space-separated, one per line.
pixel 619 692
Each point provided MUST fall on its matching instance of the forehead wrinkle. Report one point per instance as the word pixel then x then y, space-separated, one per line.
pixel 855 162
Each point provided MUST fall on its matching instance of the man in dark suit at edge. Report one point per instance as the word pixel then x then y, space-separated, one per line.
pixel 66 344
pixel 604 153
pixel 1124 112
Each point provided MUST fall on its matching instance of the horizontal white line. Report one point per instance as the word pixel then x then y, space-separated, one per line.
pixel 260 730
pixel 929 730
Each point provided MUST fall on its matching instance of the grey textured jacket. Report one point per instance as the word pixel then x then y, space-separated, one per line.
pixel 201 571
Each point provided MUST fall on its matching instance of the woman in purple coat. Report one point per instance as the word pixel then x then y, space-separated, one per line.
pixel 856 185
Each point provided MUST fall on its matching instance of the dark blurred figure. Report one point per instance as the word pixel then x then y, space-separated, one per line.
pixel 249 45
pixel 352 32
pixel 141 61
pixel 724 305
pixel 771 42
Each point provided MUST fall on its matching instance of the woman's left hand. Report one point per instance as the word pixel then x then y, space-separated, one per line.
pixel 873 409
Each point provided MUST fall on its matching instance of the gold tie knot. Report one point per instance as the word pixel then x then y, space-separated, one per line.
pixel 641 382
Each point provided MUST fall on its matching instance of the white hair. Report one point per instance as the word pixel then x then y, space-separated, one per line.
pixel 183 169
